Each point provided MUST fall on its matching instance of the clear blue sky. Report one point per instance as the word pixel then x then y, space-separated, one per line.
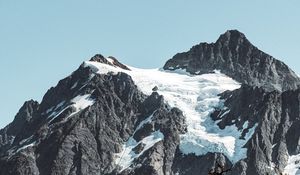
pixel 42 42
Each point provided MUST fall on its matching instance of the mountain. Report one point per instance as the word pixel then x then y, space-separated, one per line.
pixel 220 107
pixel 236 57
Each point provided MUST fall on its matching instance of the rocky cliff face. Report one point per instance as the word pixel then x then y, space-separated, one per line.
pixel 236 57
pixel 277 117
pixel 104 118
pixel 66 136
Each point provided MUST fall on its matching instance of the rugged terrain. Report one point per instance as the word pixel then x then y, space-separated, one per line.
pixel 224 106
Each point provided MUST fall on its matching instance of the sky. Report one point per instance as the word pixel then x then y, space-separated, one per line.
pixel 42 42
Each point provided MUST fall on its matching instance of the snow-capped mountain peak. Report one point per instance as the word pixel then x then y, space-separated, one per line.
pixel 197 97
pixel 220 107
pixel 112 61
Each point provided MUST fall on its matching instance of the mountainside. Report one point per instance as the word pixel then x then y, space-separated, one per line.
pixel 236 57
pixel 220 108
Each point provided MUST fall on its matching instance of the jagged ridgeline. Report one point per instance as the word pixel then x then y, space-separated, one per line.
pixel 220 108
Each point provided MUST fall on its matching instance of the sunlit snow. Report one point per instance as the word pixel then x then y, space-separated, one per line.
pixel 74 85
pixel 293 167
pixel 26 146
pixel 80 102
pixel 125 158
pixel 197 96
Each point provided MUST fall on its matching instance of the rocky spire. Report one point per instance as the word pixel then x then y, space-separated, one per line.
pixel 112 61
pixel 236 57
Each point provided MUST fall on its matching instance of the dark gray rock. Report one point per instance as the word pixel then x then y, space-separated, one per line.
pixel 101 59
pixel 276 116
pixel 86 142
pixel 236 57
pixel 159 158
pixel 11 133
pixel 199 165
pixel 155 88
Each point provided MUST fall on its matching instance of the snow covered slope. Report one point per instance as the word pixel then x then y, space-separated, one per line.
pixel 293 167
pixel 197 96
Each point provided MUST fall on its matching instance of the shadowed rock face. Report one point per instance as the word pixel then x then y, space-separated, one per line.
pixel 86 142
pixel 62 135
pixel 236 57
pixel 10 133
pixel 276 115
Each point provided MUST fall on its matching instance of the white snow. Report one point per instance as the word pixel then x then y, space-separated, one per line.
pixel 271 166
pixel 101 68
pixel 55 108
pixel 126 157
pixel 74 85
pixel 55 114
pixel 225 113
pixel 26 146
pixel 14 150
pixel 110 60
pixel 197 96
pixel 80 102
pixel 293 167
pixel 147 120
pixel 25 140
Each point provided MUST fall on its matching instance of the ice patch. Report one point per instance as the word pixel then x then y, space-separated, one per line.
pixel 271 166
pixel 28 142
pixel 54 109
pixel 197 96
pixel 80 102
pixel 101 68
pixel 26 146
pixel 147 120
pixel 25 140
pixel 293 167
pixel 127 156
pixel 225 113
pixel 110 60
pixel 246 124
pixel 217 71
pixel 74 85
pixel 55 114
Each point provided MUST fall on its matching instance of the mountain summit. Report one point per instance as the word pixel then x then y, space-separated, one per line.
pixel 219 108
pixel 235 56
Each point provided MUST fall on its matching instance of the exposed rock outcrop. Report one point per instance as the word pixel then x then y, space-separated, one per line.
pixel 86 141
pixel 235 56
pixel 276 116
